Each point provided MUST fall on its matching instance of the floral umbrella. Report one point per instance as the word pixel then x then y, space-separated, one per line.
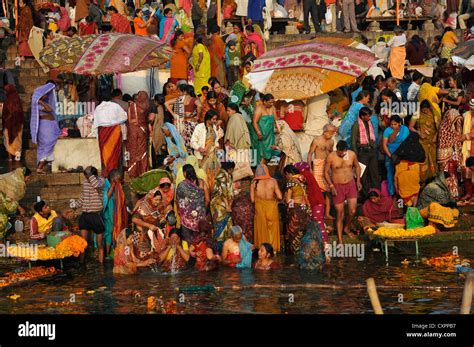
pixel 104 54
pixel 310 68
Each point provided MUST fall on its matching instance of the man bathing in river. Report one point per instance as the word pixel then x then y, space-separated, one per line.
pixel 321 147
pixel 339 173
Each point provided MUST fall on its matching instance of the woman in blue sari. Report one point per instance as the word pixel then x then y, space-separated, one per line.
pixel 360 99
pixel 176 148
pixel 393 137
pixel 44 124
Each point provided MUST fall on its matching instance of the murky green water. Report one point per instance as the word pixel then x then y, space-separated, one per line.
pixel 111 297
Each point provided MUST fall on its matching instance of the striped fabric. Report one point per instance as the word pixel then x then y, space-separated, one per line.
pixel 110 144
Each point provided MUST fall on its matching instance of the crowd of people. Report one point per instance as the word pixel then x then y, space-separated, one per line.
pixel 374 156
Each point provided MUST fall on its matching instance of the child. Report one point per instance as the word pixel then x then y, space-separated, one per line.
pixel 232 62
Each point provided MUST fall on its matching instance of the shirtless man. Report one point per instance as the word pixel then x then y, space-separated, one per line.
pixel 322 146
pixel 265 193
pixel 339 173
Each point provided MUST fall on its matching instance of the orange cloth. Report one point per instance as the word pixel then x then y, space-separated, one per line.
pixel 267 223
pixel 396 63
pixel 179 61
pixel 139 31
pixel 217 52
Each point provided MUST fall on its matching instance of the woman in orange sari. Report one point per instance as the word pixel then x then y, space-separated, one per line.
pixel 179 58
pixel 217 51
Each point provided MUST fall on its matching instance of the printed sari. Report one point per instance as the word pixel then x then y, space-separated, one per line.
pixel 110 144
pixel 138 135
pixel 430 93
pixel 223 191
pixel 243 212
pixel 191 205
pixel 450 148
pixel 185 127
pixel 176 148
pixel 298 215
pixel 210 162
pixel 311 254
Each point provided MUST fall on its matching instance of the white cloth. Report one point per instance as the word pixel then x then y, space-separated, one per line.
pixel 109 113
pixel 413 92
pixel 381 51
pixel 198 139
pixel 316 115
pixel 242 7
pixel 397 41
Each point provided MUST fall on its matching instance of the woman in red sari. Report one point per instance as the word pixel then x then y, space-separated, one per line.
pixel 137 134
pixel 12 122
pixel 217 52
pixel 25 23
pixel 119 23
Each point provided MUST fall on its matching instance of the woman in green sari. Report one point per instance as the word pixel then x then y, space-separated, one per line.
pixel 262 133
pixel 221 203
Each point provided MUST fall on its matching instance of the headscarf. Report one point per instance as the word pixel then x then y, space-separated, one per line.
pixel 262 173
pixel 47 89
pixel 314 192
pixel 13 116
pixel 175 139
pixel 380 211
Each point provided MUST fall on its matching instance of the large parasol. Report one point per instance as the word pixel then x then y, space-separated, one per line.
pixel 310 68
pixel 104 54
pixel 463 54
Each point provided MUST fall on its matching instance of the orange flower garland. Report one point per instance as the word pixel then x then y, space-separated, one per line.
pixel 74 244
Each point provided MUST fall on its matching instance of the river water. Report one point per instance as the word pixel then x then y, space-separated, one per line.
pixel 120 294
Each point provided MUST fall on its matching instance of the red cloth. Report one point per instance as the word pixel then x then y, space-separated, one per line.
pixel 120 23
pixel 315 196
pixel 87 28
pixel 381 211
pixel 295 119
pixel 13 116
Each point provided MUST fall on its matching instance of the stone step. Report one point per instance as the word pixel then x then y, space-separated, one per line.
pixel 60 179
pixel 33 75
pixel 53 192
pixel 57 205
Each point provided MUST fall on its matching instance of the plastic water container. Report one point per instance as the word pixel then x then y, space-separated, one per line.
pixel 19 227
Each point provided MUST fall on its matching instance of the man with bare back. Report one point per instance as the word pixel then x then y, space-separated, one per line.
pixel 265 193
pixel 321 147
pixel 339 173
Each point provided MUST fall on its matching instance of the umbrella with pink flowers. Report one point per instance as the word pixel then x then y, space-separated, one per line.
pixel 310 68
pixel 105 54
